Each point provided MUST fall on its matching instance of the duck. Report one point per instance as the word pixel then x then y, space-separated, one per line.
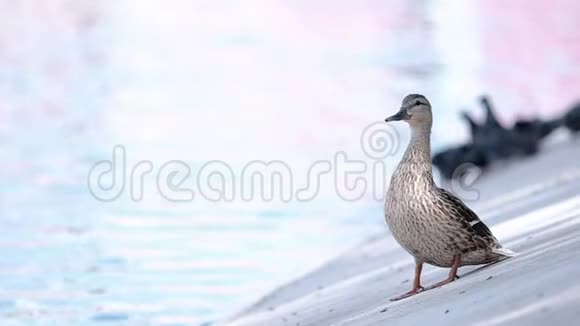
pixel 526 135
pixel 491 122
pixel 474 127
pixel 491 142
pixel 571 119
pixel 430 223
pixel 450 160
pixel 521 140
pixel 496 140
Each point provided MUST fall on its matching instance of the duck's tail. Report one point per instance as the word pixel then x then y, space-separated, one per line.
pixel 505 253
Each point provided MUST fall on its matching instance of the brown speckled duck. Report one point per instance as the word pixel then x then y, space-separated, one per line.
pixel 430 223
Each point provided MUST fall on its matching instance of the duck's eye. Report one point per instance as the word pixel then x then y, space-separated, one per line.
pixel 418 102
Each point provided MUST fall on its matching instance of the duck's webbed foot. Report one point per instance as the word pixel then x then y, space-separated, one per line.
pixel 409 294
pixel 417 288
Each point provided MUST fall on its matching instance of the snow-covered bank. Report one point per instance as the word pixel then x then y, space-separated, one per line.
pixel 532 206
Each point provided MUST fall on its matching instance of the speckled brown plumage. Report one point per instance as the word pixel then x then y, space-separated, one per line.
pixel 433 225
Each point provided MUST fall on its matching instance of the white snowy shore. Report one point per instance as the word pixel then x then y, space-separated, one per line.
pixel 532 206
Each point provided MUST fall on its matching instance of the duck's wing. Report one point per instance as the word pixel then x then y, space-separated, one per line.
pixel 467 218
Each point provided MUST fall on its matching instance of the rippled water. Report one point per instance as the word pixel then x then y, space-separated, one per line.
pixel 204 80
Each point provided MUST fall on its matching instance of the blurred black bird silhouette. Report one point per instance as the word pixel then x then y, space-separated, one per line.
pixel 491 122
pixel 493 139
pixel 523 139
pixel 527 134
pixel 450 161
pixel 490 141
pixel 474 128
pixel 571 119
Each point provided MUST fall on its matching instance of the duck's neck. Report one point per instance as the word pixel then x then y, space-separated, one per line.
pixel 418 153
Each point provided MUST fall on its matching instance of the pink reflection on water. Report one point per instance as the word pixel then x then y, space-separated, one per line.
pixel 531 52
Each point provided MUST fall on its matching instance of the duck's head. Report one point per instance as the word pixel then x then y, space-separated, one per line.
pixel 415 110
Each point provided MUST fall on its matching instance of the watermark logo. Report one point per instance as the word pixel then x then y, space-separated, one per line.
pixel 379 141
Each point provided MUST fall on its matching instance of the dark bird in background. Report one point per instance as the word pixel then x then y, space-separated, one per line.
pixel 474 128
pixel 491 141
pixel 571 119
pixel 449 161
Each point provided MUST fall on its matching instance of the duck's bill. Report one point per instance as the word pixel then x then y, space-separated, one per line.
pixel 401 115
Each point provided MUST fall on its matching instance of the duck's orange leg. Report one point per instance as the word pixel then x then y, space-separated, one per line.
pixel 452 273
pixel 416 283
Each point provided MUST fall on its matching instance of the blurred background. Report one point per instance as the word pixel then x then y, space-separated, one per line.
pixel 235 81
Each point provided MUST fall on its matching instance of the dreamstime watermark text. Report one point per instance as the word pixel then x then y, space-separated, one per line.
pixel 272 180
